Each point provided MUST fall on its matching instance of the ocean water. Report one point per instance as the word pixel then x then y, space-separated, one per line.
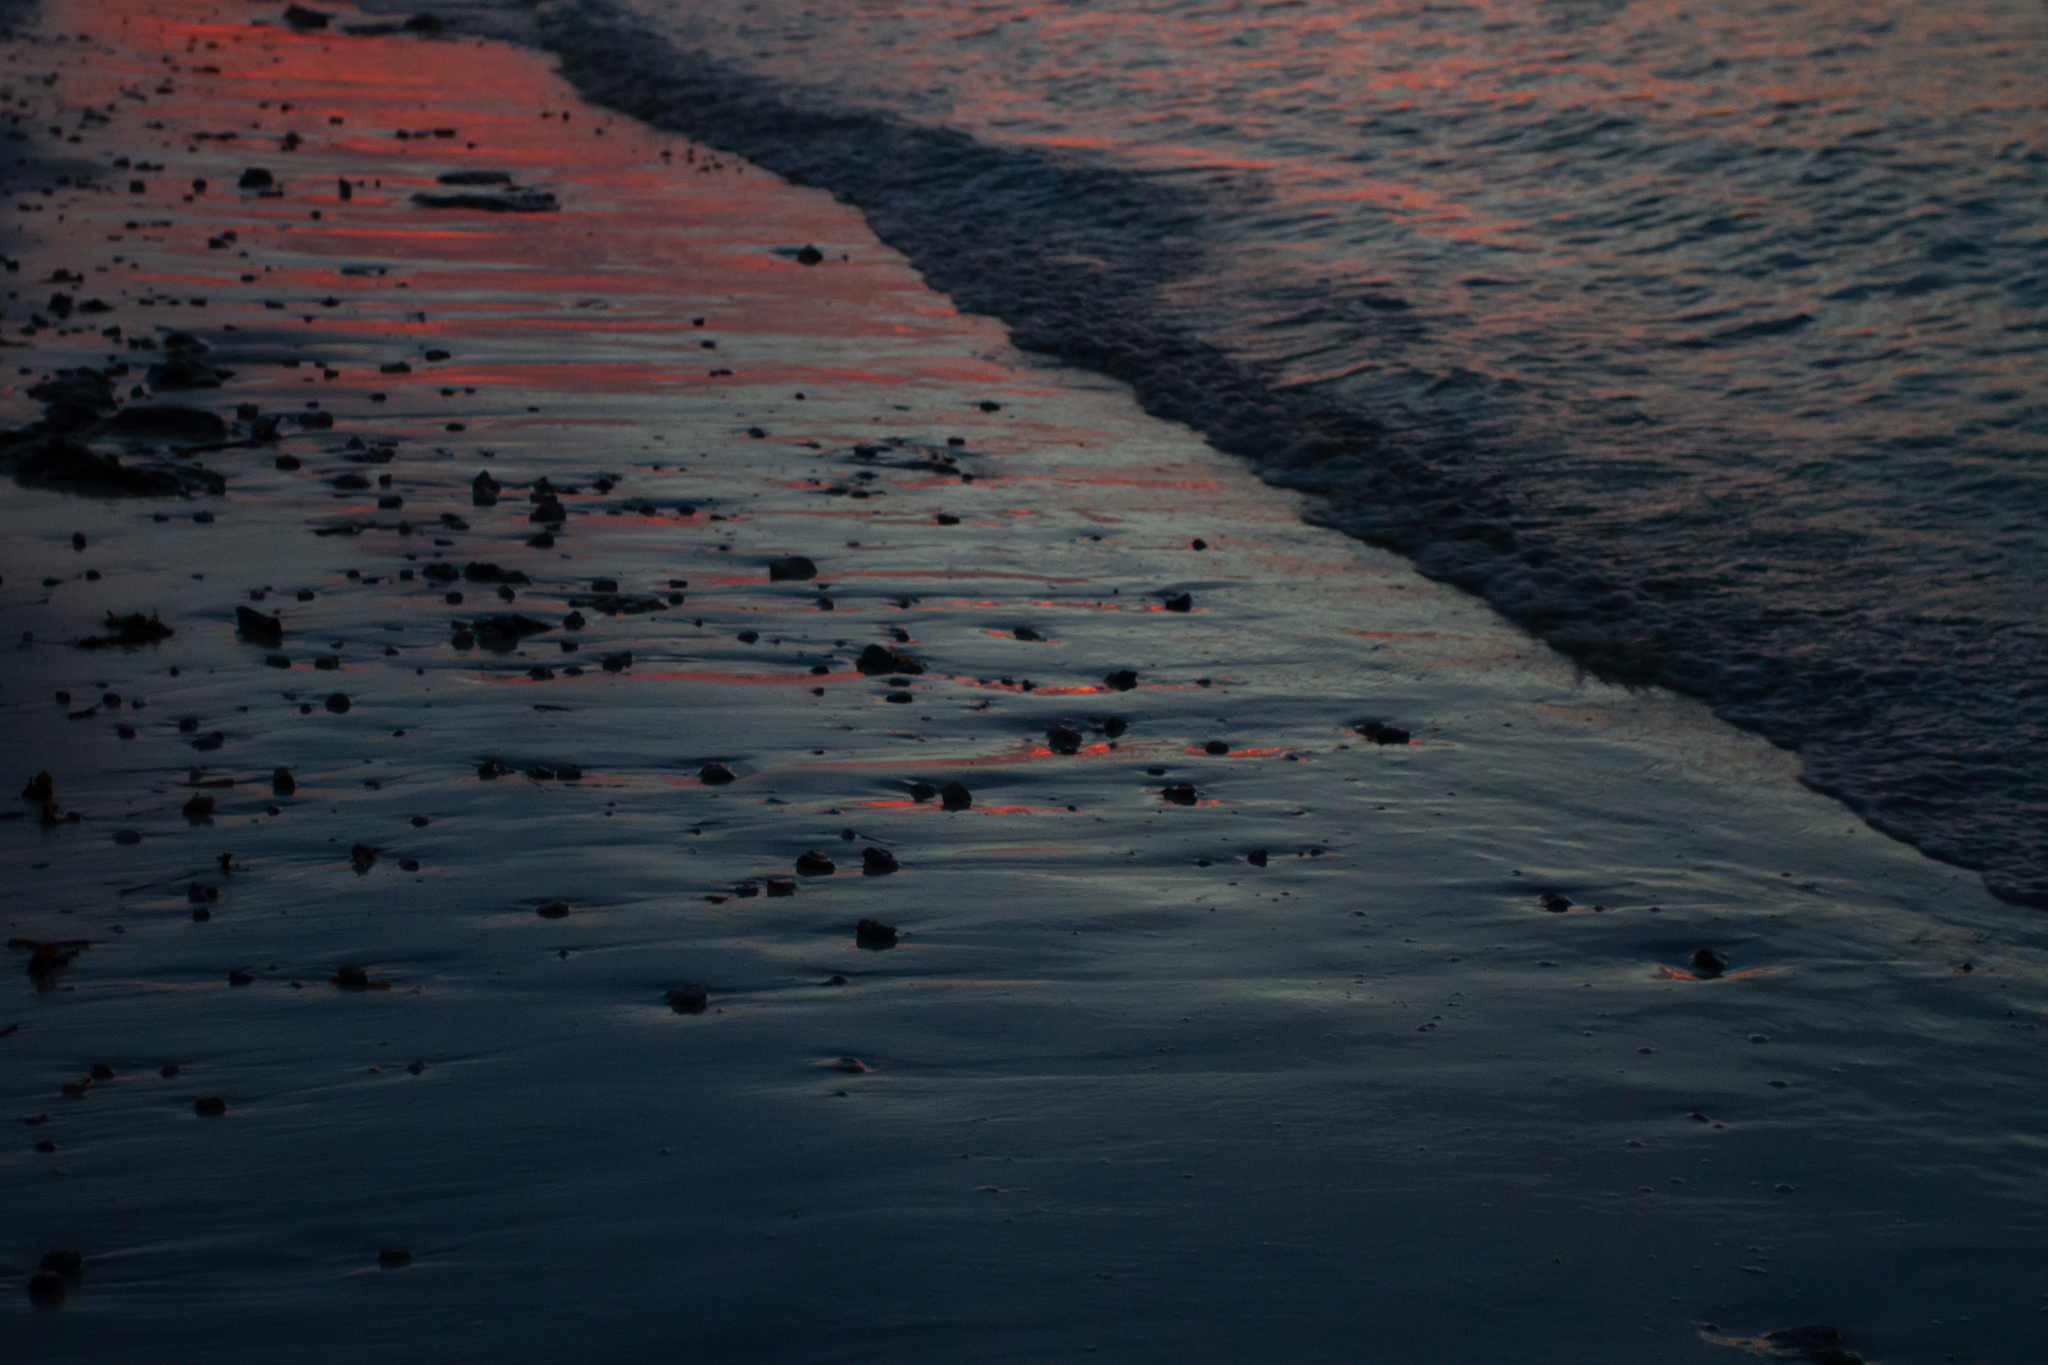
pixel 1704 341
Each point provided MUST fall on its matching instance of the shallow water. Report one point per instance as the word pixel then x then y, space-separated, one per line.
pixel 1124 1089
pixel 1705 342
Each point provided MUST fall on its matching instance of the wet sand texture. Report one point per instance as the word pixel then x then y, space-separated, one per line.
pixel 718 842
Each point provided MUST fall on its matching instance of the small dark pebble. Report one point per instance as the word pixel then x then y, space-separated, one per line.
pixel 127 836
pixel 1123 680
pixel 780 886
pixel 1554 902
pixel 391 1258
pixel 1063 738
pixel 1216 746
pixel 45 1289
pixel 954 796
pixel 878 862
pixel 922 791
pixel 795 568
pixel 208 743
pixel 1379 732
pixel 616 663
pixel 872 933
pixel 1182 602
pixel 238 977
pixel 351 977
pixel 493 767
pixel 833 980
pixel 715 774
pixel 338 704
pixel 1707 962
pixel 1180 793
pixel 100 1072
pixel 46 1146
pixel 815 864
pixel 282 783
pixel 688 998
pixel 39 788
pixel 1257 857
pixel 552 909
pixel 211 1107
pixel 875 660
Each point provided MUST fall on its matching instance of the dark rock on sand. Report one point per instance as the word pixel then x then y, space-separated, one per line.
pixel 505 201
pixel 254 625
pixel 1063 738
pixel 1257 857
pixel 493 768
pixel 1555 902
pixel 238 977
pixel 491 573
pixel 1181 794
pixel 1123 680
pixel 872 933
pixel 351 977
pixel 876 659
pixel 164 422
pixel 955 796
pixel 815 864
pixel 617 663
pixel 135 629
pixel 796 568
pixel 922 791
pixel 1707 962
pixel 780 886
pixel 1180 602
pixel 281 782
pixel 210 1107
pixel 305 20
pixel 474 178
pixel 552 910
pixel 1818 1343
pixel 183 369
pixel 500 634
pixel 40 788
pixel 1379 732
pixel 1216 746
pixel 362 857
pixel 484 490
pixel 715 775
pixel 46 1289
pixel 877 862
pixel 338 703
pixel 394 1258
pixel 688 998
pixel 44 459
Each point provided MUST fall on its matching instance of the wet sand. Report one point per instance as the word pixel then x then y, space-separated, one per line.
pixel 1118 1084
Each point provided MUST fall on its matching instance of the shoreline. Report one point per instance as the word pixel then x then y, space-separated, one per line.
pixel 1118 1086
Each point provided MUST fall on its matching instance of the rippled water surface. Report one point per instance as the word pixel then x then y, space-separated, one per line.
pixel 1705 341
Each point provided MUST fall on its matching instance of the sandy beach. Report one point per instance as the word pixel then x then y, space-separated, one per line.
pixel 692 800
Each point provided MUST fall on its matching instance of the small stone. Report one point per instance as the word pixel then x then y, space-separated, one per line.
pixel 351 977
pixel 1555 902
pixel 552 910
pixel 45 1289
pixel 1707 962
pixel 127 836
pixel 211 1107
pixel 256 178
pixel 1257 857
pixel 1123 680
pixel 780 886
pixel 338 703
pixel 877 862
pixel 1181 794
pixel 852 1066
pixel 1379 732
pixel 688 998
pixel 39 788
pixel 615 663
pixel 833 980
pixel 238 977
pixel 391 1258
pixel 954 796
pixel 815 864
pixel 282 783
pixel 715 775
pixel 796 568
pixel 922 791
pixel 1216 746
pixel 1063 738
pixel 198 808
pixel 872 933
